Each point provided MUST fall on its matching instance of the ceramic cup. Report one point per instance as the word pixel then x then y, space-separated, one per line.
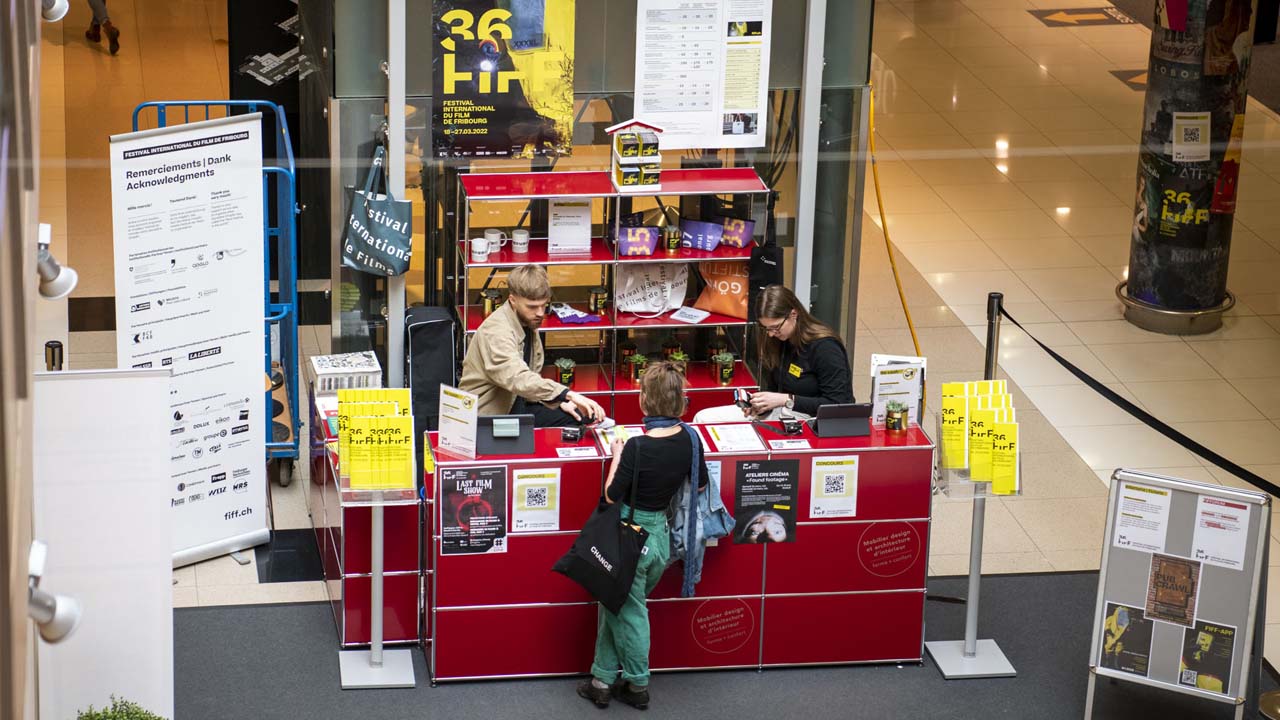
pixel 479 249
pixel 497 239
pixel 520 241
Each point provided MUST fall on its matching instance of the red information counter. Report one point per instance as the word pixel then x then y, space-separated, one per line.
pixel 847 589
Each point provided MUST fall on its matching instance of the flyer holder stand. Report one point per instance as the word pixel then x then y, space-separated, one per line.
pixel 971 657
pixel 376 667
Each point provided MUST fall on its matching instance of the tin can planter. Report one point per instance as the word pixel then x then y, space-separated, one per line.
pixel 490 300
pixel 635 366
pixel 716 346
pixel 567 369
pixel 671 238
pixel 896 418
pixel 723 364
pixel 670 347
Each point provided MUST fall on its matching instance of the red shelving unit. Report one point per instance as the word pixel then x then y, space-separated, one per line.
pixel 684 255
pixel 701 377
pixel 587 379
pixel 630 321
pixel 601 254
pixel 475 315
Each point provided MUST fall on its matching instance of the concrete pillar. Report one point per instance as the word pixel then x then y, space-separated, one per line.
pixel 1189 165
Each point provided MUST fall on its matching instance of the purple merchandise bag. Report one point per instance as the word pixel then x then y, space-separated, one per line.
pixel 700 235
pixel 738 233
pixel 638 240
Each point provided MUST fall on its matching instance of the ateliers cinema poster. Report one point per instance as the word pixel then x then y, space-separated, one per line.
pixel 502 78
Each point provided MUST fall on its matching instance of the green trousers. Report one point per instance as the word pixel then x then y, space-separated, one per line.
pixel 622 640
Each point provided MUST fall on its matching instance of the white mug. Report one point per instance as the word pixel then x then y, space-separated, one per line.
pixel 520 241
pixel 479 249
pixel 496 237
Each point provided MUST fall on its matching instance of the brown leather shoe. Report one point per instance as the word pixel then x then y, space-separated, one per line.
pixel 598 696
pixel 94 33
pixel 113 37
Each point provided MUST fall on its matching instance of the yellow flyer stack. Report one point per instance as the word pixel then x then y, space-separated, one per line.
pixel 978 449
pixel 375 439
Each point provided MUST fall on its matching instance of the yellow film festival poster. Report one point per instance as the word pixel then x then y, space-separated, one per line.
pixel 502 78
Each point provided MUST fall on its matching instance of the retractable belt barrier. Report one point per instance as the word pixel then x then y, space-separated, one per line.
pixel 1150 420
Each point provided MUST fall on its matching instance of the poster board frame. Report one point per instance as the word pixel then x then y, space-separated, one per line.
pixel 1249 644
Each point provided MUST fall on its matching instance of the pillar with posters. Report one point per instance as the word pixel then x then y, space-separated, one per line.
pixel 187 213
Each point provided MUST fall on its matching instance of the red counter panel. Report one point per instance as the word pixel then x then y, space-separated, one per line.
pixel 704 633
pixel 400 546
pixel 875 627
pixel 831 557
pixel 521 575
pixel 501 642
pixel 400 617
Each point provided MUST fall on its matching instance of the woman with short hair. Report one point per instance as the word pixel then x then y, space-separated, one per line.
pixel 660 461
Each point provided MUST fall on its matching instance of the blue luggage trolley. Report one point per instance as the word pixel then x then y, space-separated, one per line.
pixel 280 210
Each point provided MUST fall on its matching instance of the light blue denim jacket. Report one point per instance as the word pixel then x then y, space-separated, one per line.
pixel 713 521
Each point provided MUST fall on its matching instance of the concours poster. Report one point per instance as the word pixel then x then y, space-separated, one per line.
pixel 502 78
pixel 474 517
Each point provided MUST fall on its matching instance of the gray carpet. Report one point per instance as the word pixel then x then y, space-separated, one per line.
pixel 281 661
pixel 1264 74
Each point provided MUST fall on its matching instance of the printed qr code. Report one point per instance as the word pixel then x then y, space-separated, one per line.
pixel 1191 135
pixel 535 497
pixel 1189 677
pixel 833 485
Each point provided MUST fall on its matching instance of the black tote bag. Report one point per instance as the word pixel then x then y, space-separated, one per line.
pixel 765 267
pixel 378 238
pixel 603 559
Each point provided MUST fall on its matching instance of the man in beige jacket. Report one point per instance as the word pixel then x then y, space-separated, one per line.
pixel 505 356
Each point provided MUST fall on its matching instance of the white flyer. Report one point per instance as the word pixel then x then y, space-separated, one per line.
pixel 897 377
pixel 1142 518
pixel 577 452
pixel 459 418
pixel 1222 532
pixel 792 444
pixel 689 315
pixel 569 226
pixel 1191 136
pixel 187 225
pixel 834 487
pixel 736 437
pixel 535 500
pixel 702 71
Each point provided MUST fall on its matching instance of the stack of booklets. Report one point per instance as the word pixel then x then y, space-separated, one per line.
pixel 375 439
pixel 978 434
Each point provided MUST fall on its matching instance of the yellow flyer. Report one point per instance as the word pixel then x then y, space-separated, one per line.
pixel 981 424
pixel 1005 473
pixel 954 453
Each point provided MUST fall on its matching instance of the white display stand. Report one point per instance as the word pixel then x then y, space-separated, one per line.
pixel 102 506
pixel 376 667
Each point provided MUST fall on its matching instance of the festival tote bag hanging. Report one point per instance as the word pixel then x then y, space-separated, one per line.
pixel 379 235
pixel 603 559
pixel 650 289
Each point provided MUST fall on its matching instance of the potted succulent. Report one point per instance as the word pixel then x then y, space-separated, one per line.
pixel 680 359
pixel 118 710
pixel 716 346
pixel 566 367
pixel 625 350
pixel 670 346
pixel 723 363
pixel 635 366
pixel 895 417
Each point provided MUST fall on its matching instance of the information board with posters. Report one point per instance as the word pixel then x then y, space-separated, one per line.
pixel 187 222
pixel 502 78
pixel 1178 588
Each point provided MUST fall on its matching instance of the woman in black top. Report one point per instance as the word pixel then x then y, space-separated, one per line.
pixel 659 461
pixel 804 362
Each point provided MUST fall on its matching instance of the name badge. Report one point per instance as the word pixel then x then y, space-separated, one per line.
pixel 794 370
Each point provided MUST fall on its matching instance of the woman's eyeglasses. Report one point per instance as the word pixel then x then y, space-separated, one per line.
pixel 774 328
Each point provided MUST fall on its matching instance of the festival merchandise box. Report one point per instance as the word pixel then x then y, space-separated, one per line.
pixel 330 373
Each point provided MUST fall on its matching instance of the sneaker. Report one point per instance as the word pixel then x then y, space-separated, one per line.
pixel 113 37
pixel 597 695
pixel 636 697
pixel 94 33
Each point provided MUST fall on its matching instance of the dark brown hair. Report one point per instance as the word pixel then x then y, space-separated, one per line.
pixel 662 389
pixel 776 301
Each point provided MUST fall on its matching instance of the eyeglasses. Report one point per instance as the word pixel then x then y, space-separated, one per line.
pixel 776 327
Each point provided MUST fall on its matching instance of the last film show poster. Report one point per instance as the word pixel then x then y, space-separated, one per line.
pixel 1126 640
pixel 502 78
pixel 474 519
pixel 1171 589
pixel 765 502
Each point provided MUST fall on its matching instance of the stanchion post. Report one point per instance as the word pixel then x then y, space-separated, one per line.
pixel 971 657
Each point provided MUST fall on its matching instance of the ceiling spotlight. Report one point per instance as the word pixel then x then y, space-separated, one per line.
pixel 56 280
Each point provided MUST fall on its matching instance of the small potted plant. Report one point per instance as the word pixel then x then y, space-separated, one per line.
pixel 895 417
pixel 670 346
pixel 635 366
pixel 716 346
pixel 625 350
pixel 566 367
pixel 680 359
pixel 723 363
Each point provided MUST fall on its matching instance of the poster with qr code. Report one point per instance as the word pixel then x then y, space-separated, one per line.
pixel 1190 136
pixel 535 500
pixel 473 510
pixel 833 489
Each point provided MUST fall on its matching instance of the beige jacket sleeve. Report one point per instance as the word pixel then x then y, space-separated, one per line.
pixel 504 365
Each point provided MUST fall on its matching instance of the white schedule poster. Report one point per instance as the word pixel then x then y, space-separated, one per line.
pixel 535 501
pixel 187 223
pixel 702 71
pixel 1142 518
pixel 1222 532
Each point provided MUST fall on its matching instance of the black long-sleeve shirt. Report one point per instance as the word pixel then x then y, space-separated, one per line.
pixel 817 374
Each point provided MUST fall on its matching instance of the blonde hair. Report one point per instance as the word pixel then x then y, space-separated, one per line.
pixel 776 301
pixel 662 390
pixel 529 282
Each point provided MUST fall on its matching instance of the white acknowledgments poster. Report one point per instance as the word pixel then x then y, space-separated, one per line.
pixel 1142 518
pixel 702 71
pixel 1222 532
pixel 187 217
